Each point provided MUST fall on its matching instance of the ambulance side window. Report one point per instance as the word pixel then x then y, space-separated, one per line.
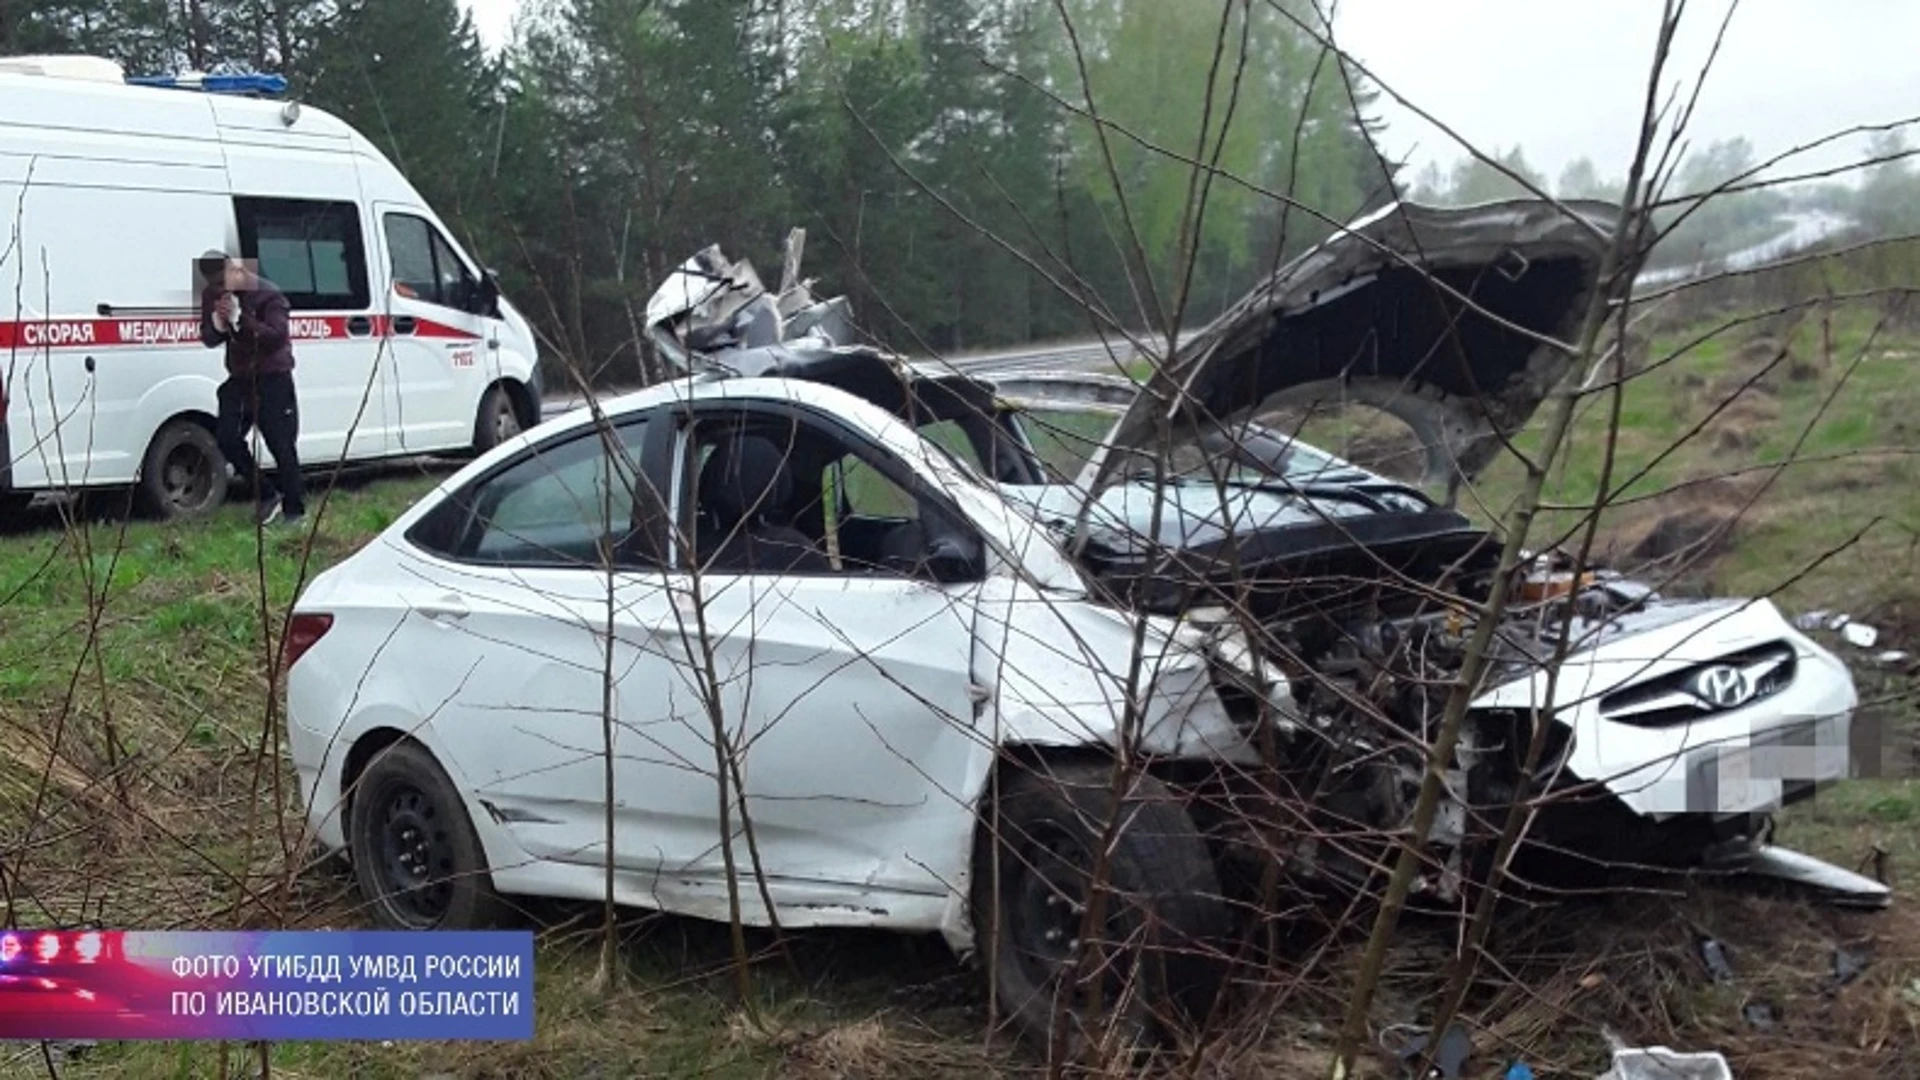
pixel 457 285
pixel 412 249
pixel 311 250
pixel 425 266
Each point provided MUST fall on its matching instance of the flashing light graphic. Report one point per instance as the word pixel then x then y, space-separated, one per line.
pixel 271 985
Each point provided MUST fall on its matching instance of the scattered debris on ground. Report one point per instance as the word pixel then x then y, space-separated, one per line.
pixel 1449 1058
pixel 1715 955
pixel 1760 1016
pixel 1661 1063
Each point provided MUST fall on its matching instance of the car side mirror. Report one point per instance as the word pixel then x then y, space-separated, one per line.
pixel 489 294
pixel 950 559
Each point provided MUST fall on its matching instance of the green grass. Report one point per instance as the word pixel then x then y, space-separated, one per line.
pixel 132 694
pixel 168 591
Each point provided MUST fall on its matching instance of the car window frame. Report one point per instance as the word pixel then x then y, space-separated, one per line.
pixel 687 415
pixel 437 242
pixel 438 532
pixel 253 211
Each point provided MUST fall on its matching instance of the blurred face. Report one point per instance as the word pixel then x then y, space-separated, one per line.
pixel 236 276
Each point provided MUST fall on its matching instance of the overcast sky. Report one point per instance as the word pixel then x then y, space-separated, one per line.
pixel 1567 79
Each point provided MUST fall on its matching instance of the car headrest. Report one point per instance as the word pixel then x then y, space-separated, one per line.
pixel 747 476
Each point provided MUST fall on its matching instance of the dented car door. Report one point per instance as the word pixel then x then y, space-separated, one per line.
pixel 840 681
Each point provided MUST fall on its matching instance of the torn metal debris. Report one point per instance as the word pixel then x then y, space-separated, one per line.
pixel 1714 955
pixel 1661 1063
pixel 1860 635
pixel 1760 1016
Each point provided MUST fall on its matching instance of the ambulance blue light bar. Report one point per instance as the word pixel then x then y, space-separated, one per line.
pixel 216 84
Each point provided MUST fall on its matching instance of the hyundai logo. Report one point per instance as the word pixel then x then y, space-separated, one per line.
pixel 1723 687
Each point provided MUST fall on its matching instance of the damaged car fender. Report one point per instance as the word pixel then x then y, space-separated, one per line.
pixel 1060 672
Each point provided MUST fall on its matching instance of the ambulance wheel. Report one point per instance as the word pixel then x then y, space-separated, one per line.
pixel 184 474
pixel 499 418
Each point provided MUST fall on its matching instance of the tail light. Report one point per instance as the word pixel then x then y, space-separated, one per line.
pixel 302 633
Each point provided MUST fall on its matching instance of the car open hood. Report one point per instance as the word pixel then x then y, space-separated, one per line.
pixel 1375 315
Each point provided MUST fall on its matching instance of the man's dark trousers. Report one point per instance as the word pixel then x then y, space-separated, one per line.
pixel 268 403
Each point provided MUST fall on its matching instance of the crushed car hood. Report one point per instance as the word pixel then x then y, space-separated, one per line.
pixel 1394 312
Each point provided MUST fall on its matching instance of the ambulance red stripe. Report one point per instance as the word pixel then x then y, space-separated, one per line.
pixel 180 332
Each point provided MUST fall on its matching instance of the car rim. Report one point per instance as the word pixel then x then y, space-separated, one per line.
pixel 505 424
pixel 1047 910
pixel 415 857
pixel 186 476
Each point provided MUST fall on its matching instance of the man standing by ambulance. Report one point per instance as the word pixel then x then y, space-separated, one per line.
pixel 248 314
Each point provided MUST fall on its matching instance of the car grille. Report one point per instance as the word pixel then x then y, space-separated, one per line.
pixel 1730 682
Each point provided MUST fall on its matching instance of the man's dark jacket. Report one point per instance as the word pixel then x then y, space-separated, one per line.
pixel 262 343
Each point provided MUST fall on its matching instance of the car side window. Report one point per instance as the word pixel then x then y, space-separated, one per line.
pixel 425 266
pixel 778 495
pixel 858 489
pixel 410 247
pixel 457 285
pixel 311 249
pixel 575 503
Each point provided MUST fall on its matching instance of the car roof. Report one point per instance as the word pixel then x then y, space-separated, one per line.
pixel 867 417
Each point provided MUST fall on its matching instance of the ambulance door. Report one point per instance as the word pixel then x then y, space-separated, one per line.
pixel 433 302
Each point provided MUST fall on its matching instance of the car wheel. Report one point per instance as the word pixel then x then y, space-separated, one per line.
pixel 416 855
pixel 184 474
pixel 499 418
pixel 1165 917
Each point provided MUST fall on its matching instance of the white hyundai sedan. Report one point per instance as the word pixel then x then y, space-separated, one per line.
pixel 816 636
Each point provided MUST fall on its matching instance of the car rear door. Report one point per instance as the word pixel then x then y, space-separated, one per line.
pixel 505 645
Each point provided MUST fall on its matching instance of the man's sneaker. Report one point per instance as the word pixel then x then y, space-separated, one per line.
pixel 292 522
pixel 266 510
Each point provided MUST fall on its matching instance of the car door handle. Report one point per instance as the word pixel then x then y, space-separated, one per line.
pixel 446 609
pixel 359 325
pixel 403 324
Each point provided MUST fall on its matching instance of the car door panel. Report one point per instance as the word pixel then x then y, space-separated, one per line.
pixel 436 369
pixel 513 692
pixel 846 699
pixel 848 708
pixel 513 605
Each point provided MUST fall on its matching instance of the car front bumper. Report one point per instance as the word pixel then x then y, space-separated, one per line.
pixel 1732 762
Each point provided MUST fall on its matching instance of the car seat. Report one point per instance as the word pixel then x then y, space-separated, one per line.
pixel 744 524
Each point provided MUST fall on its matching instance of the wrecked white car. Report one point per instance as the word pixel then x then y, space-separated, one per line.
pixel 814 637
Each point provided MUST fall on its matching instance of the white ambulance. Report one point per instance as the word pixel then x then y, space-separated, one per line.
pixel 110 188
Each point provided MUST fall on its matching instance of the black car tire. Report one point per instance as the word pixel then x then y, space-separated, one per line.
pixel 499 419
pixel 416 856
pixel 1163 901
pixel 184 474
